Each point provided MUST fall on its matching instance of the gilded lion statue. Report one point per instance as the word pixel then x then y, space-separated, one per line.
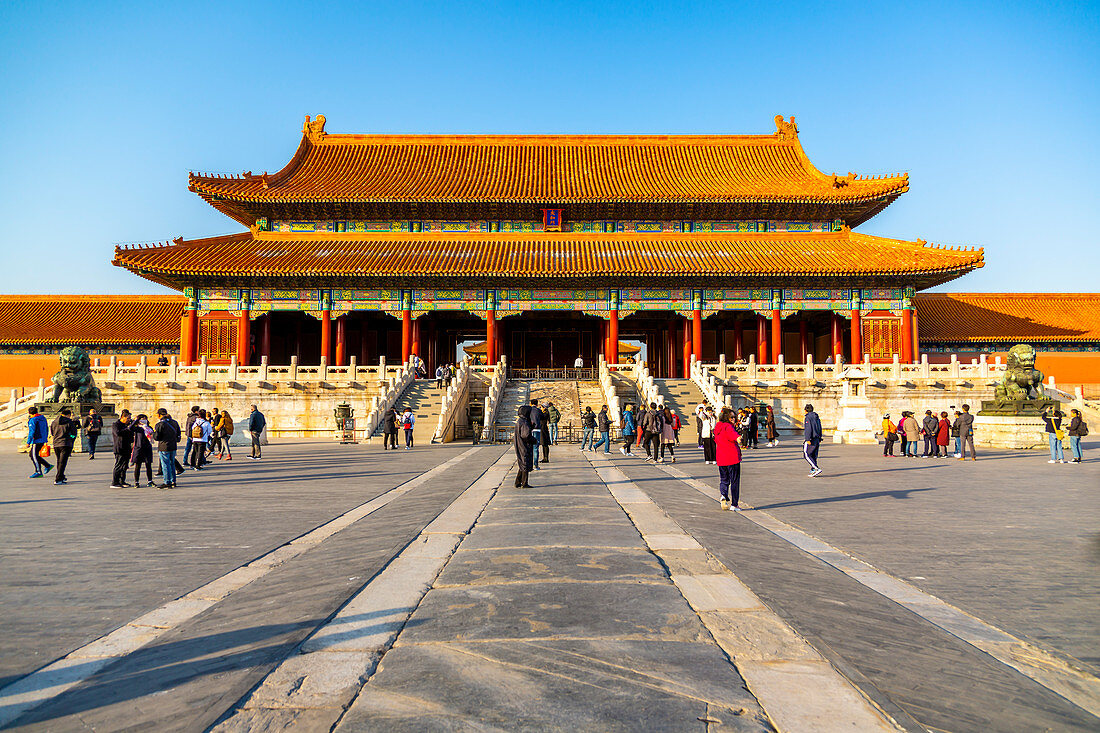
pixel 1020 377
pixel 73 382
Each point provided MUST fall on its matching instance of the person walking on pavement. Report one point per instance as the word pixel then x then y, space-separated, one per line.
pixel 191 418
pixel 1052 425
pixel 93 426
pixel 141 454
pixel 225 434
pixel 955 435
pixel 811 439
pixel 122 442
pixel 215 443
pixel 546 433
pixel 524 442
pixel 912 430
pixel 668 436
pixel 1078 429
pixel 708 423
pixel 555 417
pixel 439 375
pixel 728 451
pixel 700 411
pixel 603 424
pixel 408 422
pixel 535 417
pixel 966 433
pixel 943 436
pixel 754 429
pixel 889 436
pixel 930 426
pixel 38 437
pixel 588 427
pixel 256 423
pixel 627 427
pixel 167 435
pixel 63 434
pixel 201 430
pixel 770 428
pixel 389 429
pixel 653 425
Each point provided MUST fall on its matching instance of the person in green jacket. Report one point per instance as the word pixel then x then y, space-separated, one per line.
pixel 555 418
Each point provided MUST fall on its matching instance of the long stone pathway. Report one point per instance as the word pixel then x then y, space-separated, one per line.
pixel 340 588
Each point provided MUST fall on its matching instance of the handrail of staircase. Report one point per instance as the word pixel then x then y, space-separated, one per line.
pixel 17 403
pixel 611 396
pixel 396 386
pixel 452 398
pixel 707 384
pixel 647 390
pixel 492 400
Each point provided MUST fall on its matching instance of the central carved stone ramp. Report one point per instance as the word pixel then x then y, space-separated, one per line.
pixel 554 615
pixel 426 401
pixel 682 396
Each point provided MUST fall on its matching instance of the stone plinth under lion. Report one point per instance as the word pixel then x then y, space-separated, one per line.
pixel 74 387
pixel 1013 418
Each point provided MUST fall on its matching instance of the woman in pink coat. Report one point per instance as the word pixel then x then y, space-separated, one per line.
pixel 728 449
pixel 943 436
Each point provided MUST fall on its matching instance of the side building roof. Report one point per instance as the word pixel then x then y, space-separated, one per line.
pixel 90 319
pixel 270 257
pixel 425 171
pixel 954 318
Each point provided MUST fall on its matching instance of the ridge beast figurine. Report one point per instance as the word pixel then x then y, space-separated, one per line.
pixel 73 382
pixel 1020 376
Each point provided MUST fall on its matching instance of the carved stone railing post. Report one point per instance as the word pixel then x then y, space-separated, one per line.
pixel 983 367
pixel 781 368
pixel 173 369
pixel 954 366
pixel 324 369
pixel 925 369
pixel 381 370
pixel 752 367
pixel 143 369
pixel 203 368
pixel 895 368
pixel 14 401
pixel 41 390
pixel 112 369
pixel 353 369
pixel 723 370
pixel 233 368
pixel 294 368
pixel 263 368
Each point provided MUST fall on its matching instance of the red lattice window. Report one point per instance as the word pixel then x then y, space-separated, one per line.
pixel 881 337
pixel 217 338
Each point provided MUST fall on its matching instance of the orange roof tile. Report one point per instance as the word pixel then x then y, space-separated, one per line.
pixel 90 319
pixel 1008 317
pixel 540 255
pixel 548 169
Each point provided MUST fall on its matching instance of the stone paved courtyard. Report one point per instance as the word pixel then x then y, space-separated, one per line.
pixel 340 587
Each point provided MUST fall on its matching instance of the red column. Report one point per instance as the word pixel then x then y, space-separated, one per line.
pixel 670 348
pixel 406 335
pixel 417 347
pixel 838 338
pixel 341 341
pixel 777 335
pixel 857 338
pixel 613 337
pixel 803 337
pixel 738 339
pixel 916 335
pixel 265 337
pixel 491 337
pixel 189 324
pixel 761 339
pixel 906 355
pixel 687 349
pixel 697 334
pixel 326 336
pixel 244 338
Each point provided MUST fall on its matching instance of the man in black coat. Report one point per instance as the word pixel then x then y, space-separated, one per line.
pixel 389 429
pixel 122 440
pixel 167 434
pixel 524 442
pixel 929 427
pixel 63 433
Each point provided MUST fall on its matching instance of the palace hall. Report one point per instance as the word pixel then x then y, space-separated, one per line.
pixel 546 247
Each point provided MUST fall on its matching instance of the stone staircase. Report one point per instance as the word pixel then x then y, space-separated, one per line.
pixel 426 401
pixel 516 393
pixel 682 396
pixel 591 395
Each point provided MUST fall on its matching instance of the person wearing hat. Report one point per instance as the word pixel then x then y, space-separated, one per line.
pixel 890 435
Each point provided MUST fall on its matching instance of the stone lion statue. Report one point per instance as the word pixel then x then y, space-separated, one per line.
pixel 74 383
pixel 1020 376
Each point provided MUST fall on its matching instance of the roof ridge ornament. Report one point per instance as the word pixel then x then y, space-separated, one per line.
pixel 786 130
pixel 314 130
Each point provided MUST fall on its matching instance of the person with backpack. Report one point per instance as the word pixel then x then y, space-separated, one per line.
pixel 38 437
pixel 626 425
pixel 554 415
pixel 966 433
pixel 1053 426
pixel 811 440
pixel 93 426
pixel 727 444
pixel 408 422
pixel 167 435
pixel 256 424
pixel 653 424
pixel 603 424
pixel 668 435
pixel 122 442
pixel 440 375
pixel 889 436
pixel 588 427
pixel 224 428
pixel 191 417
pixel 142 452
pixel 1078 429
pixel 201 430
pixel 215 434
pixel 63 433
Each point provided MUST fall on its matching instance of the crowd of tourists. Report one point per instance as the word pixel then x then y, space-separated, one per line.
pixel 535 431
pixel 935 435
pixel 139 442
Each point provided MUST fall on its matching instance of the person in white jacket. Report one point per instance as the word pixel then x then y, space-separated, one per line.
pixel 706 433
pixel 700 413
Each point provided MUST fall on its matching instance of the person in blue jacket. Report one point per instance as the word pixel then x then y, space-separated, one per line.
pixel 38 434
pixel 628 430
pixel 811 439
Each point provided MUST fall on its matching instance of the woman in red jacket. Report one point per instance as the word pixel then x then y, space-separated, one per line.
pixel 728 449
pixel 943 436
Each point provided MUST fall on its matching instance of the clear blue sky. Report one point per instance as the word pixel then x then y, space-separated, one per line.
pixel 992 108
